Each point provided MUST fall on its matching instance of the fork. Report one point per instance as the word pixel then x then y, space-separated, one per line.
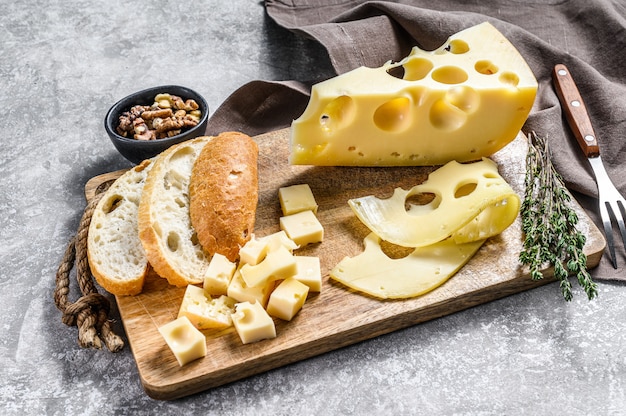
pixel 611 203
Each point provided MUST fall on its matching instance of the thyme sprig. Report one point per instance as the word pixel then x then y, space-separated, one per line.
pixel 549 224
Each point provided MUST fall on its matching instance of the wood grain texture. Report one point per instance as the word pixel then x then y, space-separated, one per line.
pixel 337 316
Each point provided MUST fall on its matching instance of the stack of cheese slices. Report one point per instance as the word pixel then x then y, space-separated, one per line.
pixel 174 212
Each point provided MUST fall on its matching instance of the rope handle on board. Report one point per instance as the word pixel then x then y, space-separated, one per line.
pixel 89 312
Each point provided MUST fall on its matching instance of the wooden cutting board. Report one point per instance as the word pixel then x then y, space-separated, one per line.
pixel 337 316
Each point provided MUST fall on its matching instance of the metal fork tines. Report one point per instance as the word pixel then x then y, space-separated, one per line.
pixel 612 205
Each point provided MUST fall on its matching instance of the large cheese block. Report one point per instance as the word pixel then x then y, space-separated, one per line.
pixel 463 101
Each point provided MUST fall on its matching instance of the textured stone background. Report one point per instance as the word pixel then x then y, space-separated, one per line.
pixel 62 64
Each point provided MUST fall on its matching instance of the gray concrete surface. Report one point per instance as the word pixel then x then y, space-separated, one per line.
pixel 62 64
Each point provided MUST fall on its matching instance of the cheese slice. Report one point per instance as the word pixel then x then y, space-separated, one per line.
pixel 378 275
pixel 462 101
pixel 470 202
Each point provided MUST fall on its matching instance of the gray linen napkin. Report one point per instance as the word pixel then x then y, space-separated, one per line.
pixel 589 36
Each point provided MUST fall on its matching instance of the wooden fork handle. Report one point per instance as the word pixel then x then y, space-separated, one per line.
pixel 575 111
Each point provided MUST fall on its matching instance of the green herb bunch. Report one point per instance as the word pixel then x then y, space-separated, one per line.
pixel 549 224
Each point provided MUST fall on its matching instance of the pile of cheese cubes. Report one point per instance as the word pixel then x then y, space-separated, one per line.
pixel 267 282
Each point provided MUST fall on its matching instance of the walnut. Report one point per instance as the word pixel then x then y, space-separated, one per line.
pixel 168 116
pixel 160 113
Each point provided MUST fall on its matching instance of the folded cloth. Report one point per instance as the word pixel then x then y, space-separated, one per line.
pixel 589 36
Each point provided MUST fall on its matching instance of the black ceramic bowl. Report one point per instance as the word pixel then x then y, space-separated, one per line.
pixel 138 150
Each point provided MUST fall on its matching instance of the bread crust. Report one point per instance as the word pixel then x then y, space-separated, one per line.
pixel 223 193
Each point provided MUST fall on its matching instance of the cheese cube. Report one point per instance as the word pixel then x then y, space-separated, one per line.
pixel 303 228
pixel 218 275
pixel 280 238
pixel 203 311
pixel 309 272
pixel 253 252
pixel 287 299
pixel 278 264
pixel 186 341
pixel 296 198
pixel 253 323
pixel 241 292
pixel 463 101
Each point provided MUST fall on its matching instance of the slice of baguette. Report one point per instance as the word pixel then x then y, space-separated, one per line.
pixel 165 229
pixel 115 254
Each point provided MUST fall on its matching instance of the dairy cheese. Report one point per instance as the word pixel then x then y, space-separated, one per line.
pixel 462 101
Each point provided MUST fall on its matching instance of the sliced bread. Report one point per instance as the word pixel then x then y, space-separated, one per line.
pixel 115 254
pixel 167 236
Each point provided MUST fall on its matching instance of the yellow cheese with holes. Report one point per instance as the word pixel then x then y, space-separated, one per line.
pixel 277 265
pixel 296 198
pixel 470 202
pixel 186 341
pixel 255 249
pixel 309 272
pixel 253 323
pixel 426 268
pixel 278 239
pixel 463 101
pixel 287 299
pixel 218 275
pixel 206 312
pixel 241 292
pixel 303 228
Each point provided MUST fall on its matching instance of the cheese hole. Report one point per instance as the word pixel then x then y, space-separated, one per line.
pixel 464 98
pixel 485 67
pixel 394 251
pixel 509 79
pixel 457 47
pixel 245 316
pixel 421 203
pixel 416 69
pixel 181 336
pixel 394 115
pixel 446 116
pixel 465 190
pixel 173 241
pixel 449 75
pixel 397 71
pixel 337 114
pixel 112 203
